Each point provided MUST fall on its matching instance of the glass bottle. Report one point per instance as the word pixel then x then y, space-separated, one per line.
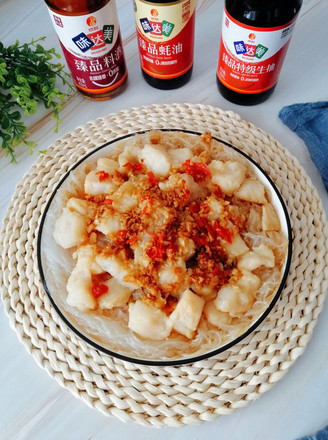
pixel 165 32
pixel 254 40
pixel 89 34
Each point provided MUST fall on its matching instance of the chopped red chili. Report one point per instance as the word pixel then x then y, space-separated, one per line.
pixel 198 170
pixel 132 239
pixel 216 271
pixel 102 175
pixel 186 193
pixel 223 233
pixel 121 236
pixel 210 231
pixel 155 252
pixel 108 201
pixel 218 192
pixel 201 222
pixel 199 241
pixel 152 179
pixel 157 249
pixel 171 248
pixel 148 198
pixel 157 238
pixel 99 289
pixel 148 207
pixel 194 208
pixel 122 233
pixel 134 166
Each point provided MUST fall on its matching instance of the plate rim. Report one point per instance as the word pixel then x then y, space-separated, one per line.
pixel 179 361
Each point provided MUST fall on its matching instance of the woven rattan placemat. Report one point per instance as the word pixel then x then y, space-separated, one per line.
pixel 159 396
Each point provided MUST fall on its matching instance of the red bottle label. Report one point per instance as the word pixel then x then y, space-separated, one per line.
pixel 165 37
pixel 251 58
pixel 93 48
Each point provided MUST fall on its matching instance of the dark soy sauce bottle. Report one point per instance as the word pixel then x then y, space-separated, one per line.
pixel 254 41
pixel 165 32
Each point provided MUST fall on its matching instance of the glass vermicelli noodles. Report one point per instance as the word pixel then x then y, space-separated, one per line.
pixel 166 246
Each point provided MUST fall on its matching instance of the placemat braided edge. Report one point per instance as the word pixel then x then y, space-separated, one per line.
pixel 166 396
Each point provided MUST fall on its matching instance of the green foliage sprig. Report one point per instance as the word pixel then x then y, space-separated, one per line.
pixel 28 77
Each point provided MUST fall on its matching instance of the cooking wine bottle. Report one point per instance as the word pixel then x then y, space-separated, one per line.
pixel 89 34
pixel 165 32
pixel 254 40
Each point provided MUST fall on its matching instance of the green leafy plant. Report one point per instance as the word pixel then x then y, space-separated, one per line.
pixel 28 77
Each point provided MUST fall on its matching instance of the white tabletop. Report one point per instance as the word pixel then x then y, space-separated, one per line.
pixel 33 405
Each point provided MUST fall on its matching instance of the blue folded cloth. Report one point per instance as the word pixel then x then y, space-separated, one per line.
pixel 310 122
pixel 320 435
